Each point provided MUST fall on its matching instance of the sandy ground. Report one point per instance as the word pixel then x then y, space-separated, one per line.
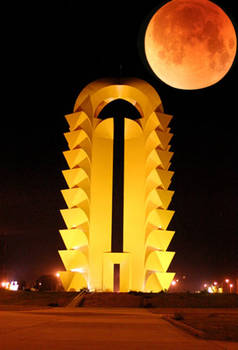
pixel 96 328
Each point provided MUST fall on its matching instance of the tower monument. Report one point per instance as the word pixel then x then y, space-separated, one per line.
pixel 131 255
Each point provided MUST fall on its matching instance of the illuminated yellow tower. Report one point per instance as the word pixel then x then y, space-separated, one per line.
pixel 136 258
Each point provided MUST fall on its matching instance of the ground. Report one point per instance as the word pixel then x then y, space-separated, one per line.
pixel 96 328
pixel 27 321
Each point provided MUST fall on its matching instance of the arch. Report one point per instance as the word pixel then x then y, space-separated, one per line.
pixel 119 108
pixel 96 95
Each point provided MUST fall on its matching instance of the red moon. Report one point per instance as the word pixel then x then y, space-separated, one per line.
pixel 190 44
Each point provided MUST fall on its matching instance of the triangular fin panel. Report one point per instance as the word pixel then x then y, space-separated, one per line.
pixel 79 120
pixel 74 238
pixel 159 261
pixel 77 178
pixel 159 239
pixel 160 218
pixel 158 281
pixel 78 282
pixel 74 218
pixel 74 196
pixel 74 260
pixel 78 158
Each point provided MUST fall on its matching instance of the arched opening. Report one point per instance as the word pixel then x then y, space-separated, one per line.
pixel 119 108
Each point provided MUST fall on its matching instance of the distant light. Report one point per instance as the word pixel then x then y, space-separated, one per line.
pixel 215 283
pixel 227 280
pixel 205 285
pixel 80 269
pixel 210 290
pixel 5 285
pixel 231 285
pixel 57 274
pixel 173 283
pixel 14 285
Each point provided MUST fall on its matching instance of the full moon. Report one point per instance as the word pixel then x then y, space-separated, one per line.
pixel 190 44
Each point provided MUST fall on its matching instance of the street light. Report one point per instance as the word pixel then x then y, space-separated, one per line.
pixel 231 286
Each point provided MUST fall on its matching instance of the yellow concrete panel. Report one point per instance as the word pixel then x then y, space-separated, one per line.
pixel 87 107
pixel 157 120
pixel 164 157
pixel 74 260
pixel 152 284
pixel 158 178
pixel 74 238
pixel 165 177
pixel 79 120
pixel 132 129
pixel 164 120
pixel 100 207
pixel 66 278
pixel 158 260
pixel 105 129
pixel 165 279
pixel 78 158
pixel 158 281
pixel 151 124
pixel 134 206
pixel 165 197
pixel 165 259
pixel 151 143
pixel 77 178
pixel 159 239
pixel 158 159
pixel 124 260
pixel 158 198
pixel 152 162
pixel 74 218
pixel 74 196
pixel 79 139
pixel 164 138
pixel 158 139
pixel 160 218
pixel 78 282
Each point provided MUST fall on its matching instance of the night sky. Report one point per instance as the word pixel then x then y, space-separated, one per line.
pixel 49 53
